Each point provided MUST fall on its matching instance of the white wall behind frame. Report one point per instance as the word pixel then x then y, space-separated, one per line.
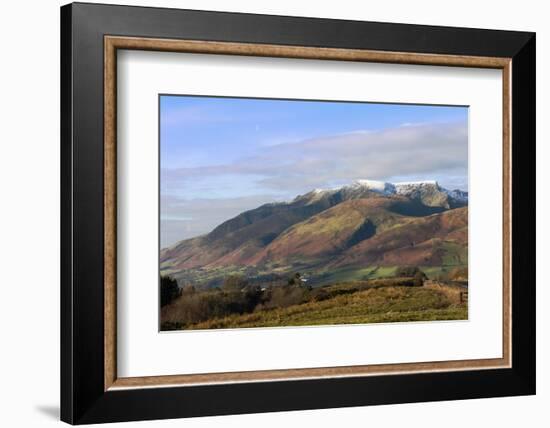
pixel 30 221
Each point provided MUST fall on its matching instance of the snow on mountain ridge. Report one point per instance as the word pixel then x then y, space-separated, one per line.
pixel 405 188
pixel 417 183
pixel 458 194
pixel 409 187
pixel 375 185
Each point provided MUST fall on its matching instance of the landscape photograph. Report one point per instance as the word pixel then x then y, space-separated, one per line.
pixel 286 213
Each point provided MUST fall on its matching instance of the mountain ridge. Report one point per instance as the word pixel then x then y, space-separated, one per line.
pixel 417 189
pixel 364 223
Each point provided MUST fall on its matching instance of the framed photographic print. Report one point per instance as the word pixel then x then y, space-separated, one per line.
pixel 265 213
pixel 263 232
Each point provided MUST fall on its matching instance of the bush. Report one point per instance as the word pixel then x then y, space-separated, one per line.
pixel 284 296
pixel 188 289
pixel 408 272
pixel 458 274
pixel 166 326
pixel 321 295
pixel 235 282
pixel 198 306
pixel 419 278
pixel 169 290
pixel 295 279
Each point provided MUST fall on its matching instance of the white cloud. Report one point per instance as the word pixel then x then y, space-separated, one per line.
pixel 413 150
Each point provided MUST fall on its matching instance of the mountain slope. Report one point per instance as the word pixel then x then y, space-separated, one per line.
pixel 247 233
pixel 438 239
pixel 332 230
pixel 365 223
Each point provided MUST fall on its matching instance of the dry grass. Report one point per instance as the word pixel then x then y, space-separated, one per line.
pixel 385 304
pixel 453 292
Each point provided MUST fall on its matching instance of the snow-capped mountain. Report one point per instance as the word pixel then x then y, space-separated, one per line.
pixel 364 223
pixel 429 192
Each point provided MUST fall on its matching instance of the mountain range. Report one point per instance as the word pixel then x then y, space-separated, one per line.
pixel 365 225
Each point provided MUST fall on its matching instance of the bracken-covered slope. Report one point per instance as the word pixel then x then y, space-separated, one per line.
pixel 364 224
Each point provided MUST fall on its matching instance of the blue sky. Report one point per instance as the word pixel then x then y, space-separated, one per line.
pixel 221 156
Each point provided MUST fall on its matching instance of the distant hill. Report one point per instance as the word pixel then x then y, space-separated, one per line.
pixel 368 223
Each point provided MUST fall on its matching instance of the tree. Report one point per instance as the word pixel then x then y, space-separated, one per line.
pixel 234 283
pixel 188 289
pixel 407 271
pixel 296 279
pixel 419 278
pixel 413 272
pixel 169 290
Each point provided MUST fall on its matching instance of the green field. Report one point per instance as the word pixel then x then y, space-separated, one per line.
pixel 205 278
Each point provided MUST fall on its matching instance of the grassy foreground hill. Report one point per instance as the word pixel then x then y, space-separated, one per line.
pixel 390 300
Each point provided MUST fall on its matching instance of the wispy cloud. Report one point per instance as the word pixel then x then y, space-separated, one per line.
pixel 413 150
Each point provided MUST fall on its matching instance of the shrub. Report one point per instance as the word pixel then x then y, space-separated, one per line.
pixel 253 296
pixel 235 282
pixel 295 279
pixel 198 306
pixel 321 295
pixel 408 272
pixel 419 278
pixel 458 274
pixel 188 289
pixel 165 326
pixel 284 296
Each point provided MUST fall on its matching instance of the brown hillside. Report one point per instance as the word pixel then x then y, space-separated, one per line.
pixel 419 241
pixel 331 231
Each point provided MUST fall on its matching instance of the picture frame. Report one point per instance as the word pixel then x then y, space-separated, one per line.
pixel 91 36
